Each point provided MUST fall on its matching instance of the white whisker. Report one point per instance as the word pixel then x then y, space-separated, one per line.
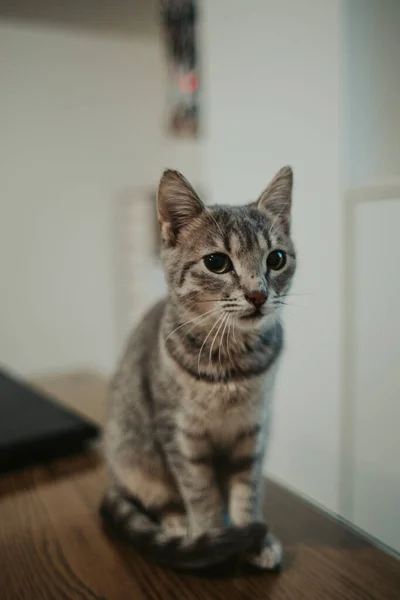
pixel 233 332
pixel 222 339
pixel 224 317
pixel 231 318
pixel 211 215
pixel 191 321
pixel 210 231
pixel 205 317
pixel 202 346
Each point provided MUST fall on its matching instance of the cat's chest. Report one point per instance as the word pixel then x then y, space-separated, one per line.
pixel 227 409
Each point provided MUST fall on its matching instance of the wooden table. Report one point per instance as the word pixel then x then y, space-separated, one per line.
pixel 52 545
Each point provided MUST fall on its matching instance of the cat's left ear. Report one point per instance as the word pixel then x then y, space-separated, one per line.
pixel 276 199
pixel 177 205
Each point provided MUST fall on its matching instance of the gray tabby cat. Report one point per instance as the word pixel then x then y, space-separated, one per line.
pixel 190 402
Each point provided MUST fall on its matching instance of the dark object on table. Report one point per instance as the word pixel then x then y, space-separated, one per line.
pixel 33 428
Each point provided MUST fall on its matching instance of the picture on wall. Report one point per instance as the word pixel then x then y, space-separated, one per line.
pixel 179 19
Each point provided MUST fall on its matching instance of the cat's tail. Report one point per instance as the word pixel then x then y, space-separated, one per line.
pixel 128 520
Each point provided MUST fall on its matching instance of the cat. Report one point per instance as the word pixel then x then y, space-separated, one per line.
pixel 190 402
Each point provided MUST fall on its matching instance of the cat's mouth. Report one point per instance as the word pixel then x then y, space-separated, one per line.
pixel 256 314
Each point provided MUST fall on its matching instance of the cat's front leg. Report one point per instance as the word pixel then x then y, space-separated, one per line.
pixel 245 480
pixel 245 496
pixel 192 464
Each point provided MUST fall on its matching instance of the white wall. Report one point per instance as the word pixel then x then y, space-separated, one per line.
pixel 372 101
pixel 375 492
pixel 272 97
pixel 371 476
pixel 80 120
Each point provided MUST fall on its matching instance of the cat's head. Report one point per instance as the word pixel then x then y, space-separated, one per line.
pixel 236 260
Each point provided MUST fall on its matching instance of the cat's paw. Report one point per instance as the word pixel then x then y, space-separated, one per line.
pixel 270 556
pixel 176 525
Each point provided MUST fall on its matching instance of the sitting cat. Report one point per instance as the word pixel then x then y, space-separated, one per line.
pixel 190 403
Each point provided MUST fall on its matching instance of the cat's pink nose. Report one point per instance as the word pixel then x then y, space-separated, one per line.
pixel 257 298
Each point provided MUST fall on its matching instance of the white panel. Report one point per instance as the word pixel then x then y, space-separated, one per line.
pixel 377 371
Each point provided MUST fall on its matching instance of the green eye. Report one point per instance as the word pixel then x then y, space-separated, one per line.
pixel 276 260
pixel 218 263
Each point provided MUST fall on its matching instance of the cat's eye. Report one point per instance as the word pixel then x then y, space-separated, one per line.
pixel 276 260
pixel 218 263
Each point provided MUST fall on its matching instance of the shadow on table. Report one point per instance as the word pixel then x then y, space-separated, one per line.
pixel 41 473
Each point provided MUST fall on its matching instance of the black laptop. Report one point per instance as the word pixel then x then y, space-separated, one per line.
pixel 34 428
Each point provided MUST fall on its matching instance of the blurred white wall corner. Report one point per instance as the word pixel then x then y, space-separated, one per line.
pixel 272 99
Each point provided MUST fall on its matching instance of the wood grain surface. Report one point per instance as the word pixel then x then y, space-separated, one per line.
pixel 52 545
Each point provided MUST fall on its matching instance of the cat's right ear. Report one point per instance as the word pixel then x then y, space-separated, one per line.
pixel 177 205
pixel 276 200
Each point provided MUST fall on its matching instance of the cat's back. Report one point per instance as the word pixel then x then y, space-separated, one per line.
pixel 128 425
pixel 146 331
pixel 140 344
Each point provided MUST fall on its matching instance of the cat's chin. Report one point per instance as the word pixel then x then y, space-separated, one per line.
pixel 255 315
pixel 256 320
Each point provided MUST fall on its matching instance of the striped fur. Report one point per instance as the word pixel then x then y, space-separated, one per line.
pixel 190 403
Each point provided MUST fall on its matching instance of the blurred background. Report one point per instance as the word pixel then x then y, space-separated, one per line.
pixel 98 97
